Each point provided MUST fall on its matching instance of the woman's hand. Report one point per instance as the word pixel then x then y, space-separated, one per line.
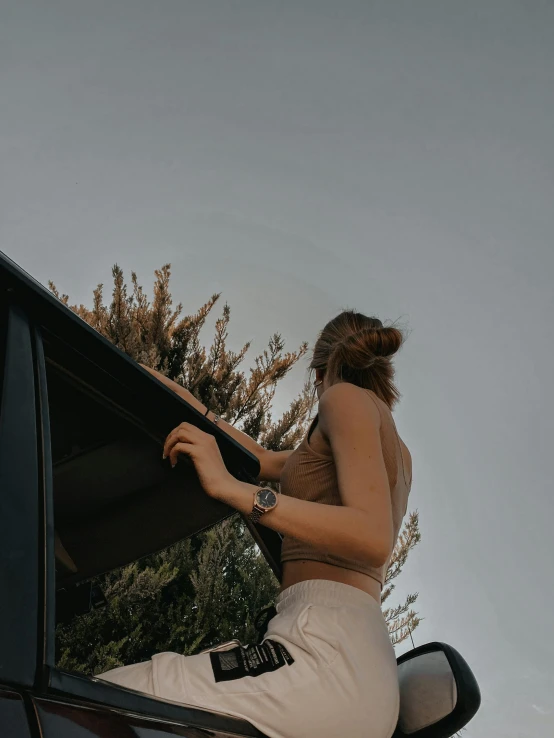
pixel 202 449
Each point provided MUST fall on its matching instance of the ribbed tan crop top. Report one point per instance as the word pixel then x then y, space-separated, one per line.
pixel 309 475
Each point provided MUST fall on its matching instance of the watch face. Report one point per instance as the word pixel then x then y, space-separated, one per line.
pixel 266 498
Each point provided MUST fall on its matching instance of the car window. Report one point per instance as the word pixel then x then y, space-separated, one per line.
pixel 132 576
pixel 197 593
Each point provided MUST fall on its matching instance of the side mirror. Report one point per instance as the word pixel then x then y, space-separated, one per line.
pixel 439 694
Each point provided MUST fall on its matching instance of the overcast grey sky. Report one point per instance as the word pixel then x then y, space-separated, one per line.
pixel 301 157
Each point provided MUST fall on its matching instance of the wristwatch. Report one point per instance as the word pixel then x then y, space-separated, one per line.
pixel 265 499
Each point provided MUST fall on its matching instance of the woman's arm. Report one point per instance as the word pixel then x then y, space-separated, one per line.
pixel 271 462
pixel 362 527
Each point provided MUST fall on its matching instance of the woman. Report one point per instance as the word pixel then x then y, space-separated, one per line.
pixel 326 666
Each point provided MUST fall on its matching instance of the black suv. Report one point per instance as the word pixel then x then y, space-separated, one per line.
pixel 81 426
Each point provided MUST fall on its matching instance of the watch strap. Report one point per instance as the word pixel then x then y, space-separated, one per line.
pixel 255 515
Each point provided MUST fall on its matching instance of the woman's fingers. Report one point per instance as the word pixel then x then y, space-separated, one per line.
pixel 201 450
pixel 180 448
pixel 173 437
pixel 185 433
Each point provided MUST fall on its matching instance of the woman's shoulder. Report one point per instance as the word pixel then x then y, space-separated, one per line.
pixel 345 393
pixel 343 401
pixel 389 422
pixel 340 400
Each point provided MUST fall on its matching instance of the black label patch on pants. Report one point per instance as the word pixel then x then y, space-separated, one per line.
pixel 251 661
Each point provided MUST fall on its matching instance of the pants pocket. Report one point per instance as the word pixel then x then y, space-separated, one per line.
pixel 320 630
